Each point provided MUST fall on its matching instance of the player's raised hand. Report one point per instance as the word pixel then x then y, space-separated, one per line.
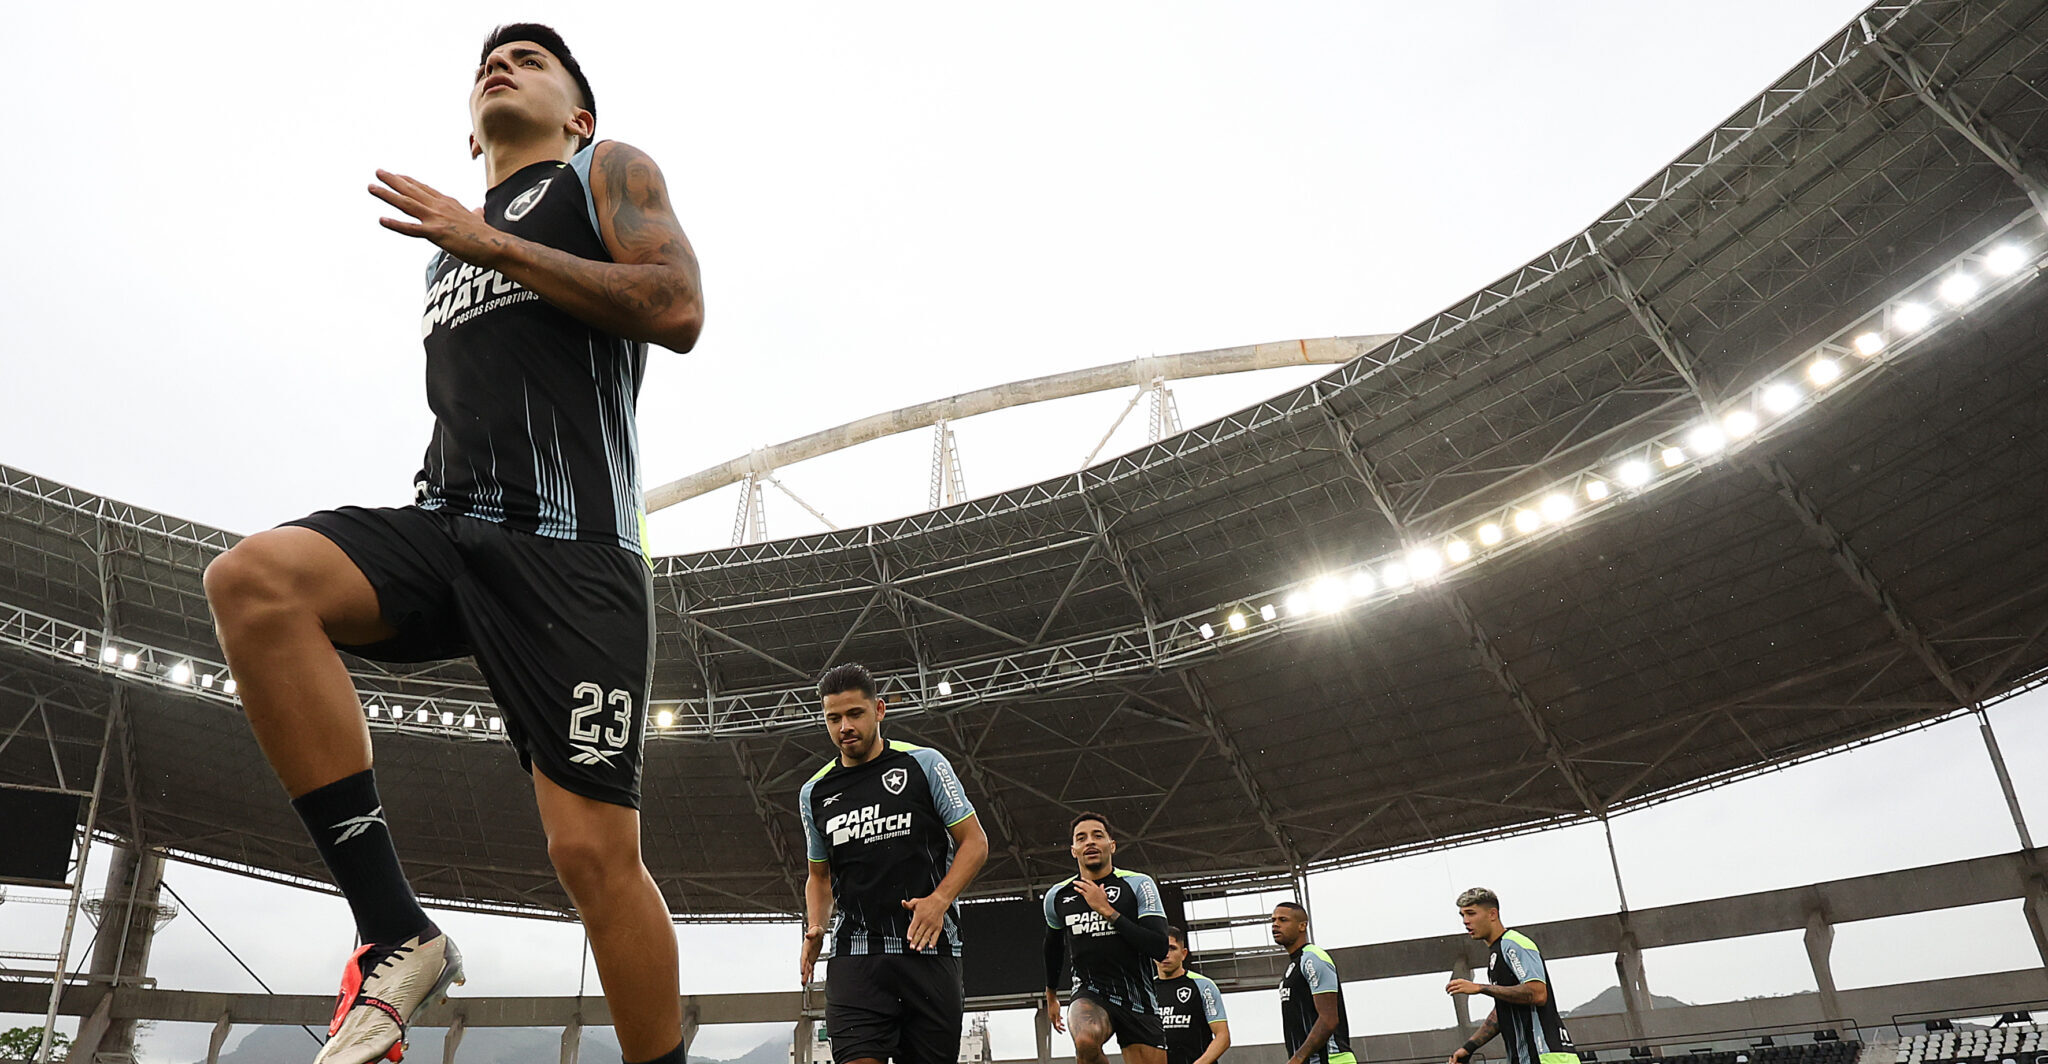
pixel 927 920
pixel 437 217
pixel 814 940
pixel 1096 897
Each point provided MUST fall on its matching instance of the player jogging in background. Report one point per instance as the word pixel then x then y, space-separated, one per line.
pixel 1113 923
pixel 892 841
pixel 1525 1009
pixel 1312 1015
pixel 523 549
pixel 1190 1007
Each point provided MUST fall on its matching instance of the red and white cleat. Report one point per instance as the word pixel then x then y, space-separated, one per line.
pixel 382 987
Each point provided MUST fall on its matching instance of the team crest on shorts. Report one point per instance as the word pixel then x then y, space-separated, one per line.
pixel 894 780
pixel 517 209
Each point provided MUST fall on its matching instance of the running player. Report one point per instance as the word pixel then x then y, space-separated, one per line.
pixel 524 548
pixel 1525 1010
pixel 1190 1007
pixel 1116 924
pixel 1312 1016
pixel 892 840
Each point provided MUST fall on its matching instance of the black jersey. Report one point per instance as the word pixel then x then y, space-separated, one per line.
pixel 1310 973
pixel 1189 1004
pixel 1105 964
pixel 533 410
pixel 1533 1033
pixel 885 827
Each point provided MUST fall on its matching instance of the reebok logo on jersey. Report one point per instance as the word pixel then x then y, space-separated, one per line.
pixel 517 209
pixel 830 798
pixel 866 824
pixel 895 779
pixel 356 825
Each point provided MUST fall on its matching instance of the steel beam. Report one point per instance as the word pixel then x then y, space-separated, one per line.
pixel 1674 349
pixel 1269 818
pixel 1964 117
pixel 778 839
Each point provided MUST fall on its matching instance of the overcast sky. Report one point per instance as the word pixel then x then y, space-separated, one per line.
pixel 893 203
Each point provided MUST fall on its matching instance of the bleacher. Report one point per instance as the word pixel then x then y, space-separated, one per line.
pixel 2006 1043
pixel 1824 1050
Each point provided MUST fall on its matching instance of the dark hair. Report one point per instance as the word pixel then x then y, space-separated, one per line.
pixel 547 38
pixel 1295 905
pixel 847 677
pixel 1177 935
pixel 1087 816
pixel 1479 897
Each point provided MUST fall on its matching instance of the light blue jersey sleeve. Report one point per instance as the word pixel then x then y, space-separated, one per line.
pixel 948 797
pixel 1522 956
pixel 580 162
pixel 1212 998
pixel 1320 971
pixel 1052 914
pixel 814 840
pixel 1149 903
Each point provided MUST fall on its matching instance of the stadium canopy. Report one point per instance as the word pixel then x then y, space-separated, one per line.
pixel 1748 470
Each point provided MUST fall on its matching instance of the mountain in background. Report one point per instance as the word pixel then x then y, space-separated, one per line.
pixel 1608 1002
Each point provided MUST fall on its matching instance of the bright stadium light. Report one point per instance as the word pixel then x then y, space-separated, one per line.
pixel 447 719
pixel 1267 612
pixel 1208 630
pixel 497 725
pixel 2005 258
pixel 1911 317
pixel 78 648
pixel 1672 456
pixel 1330 594
pixel 1959 288
pixel 1394 575
pixel 1526 521
pixel 206 681
pixel 1738 424
pixel 109 654
pixel 1869 343
pixel 945 688
pixel 1705 439
pixel 1237 622
pixel 1824 371
pixel 130 660
pixel 469 720
pixel 181 673
pixel 1489 534
pixel 667 717
pixel 1362 583
pixel 1635 474
pixel 229 687
pixel 1425 563
pixel 1780 398
pixel 1297 604
pixel 422 717
pixel 1458 551
pixel 1596 490
pixel 1557 506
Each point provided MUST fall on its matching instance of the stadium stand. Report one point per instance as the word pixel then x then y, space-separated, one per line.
pixel 2014 1042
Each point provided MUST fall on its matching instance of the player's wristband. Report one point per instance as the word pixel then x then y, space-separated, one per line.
pixel 1471 1047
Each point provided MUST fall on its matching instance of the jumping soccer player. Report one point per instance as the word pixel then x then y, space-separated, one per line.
pixel 524 548
pixel 1190 1007
pixel 1526 1011
pixel 892 840
pixel 1312 1016
pixel 1116 925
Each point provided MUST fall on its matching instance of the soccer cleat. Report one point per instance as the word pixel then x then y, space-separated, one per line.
pixel 382 988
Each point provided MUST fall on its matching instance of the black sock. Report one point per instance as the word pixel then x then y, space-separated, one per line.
pixel 346 820
pixel 673 1056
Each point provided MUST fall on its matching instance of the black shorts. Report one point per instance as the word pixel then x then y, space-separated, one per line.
pixel 562 630
pixel 894 1006
pixel 1132 1028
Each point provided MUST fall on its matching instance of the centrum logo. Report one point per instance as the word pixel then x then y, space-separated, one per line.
pixel 527 200
pixel 356 825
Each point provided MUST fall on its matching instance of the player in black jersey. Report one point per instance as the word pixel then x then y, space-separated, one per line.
pixel 1190 1007
pixel 1114 924
pixel 892 840
pixel 1526 1015
pixel 523 550
pixel 1313 1019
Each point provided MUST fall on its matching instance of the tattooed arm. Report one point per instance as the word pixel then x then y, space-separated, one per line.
pixel 650 292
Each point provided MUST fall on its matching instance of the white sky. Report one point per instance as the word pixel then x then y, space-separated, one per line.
pixel 894 203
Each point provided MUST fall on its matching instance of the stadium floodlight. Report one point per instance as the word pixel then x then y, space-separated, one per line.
pixel 1635 474
pixel 1672 457
pixel 1868 344
pixel 109 654
pixel 1425 563
pixel 78 648
pixel 945 688
pixel 1330 594
pixel 665 719
pixel 1705 439
pixel 1297 604
pixel 130 660
pixel 206 681
pixel 1458 551
pixel 181 673
pixel 447 719
pixel 1959 288
pixel 1267 612
pixel 469 720
pixel 1208 630
pixel 1557 506
pixel 1824 371
pixel 1780 398
pixel 1361 583
pixel 1489 534
pixel 229 686
pixel 1236 622
pixel 422 717
pixel 2005 258
pixel 1739 423
pixel 1596 490
pixel 1526 521
pixel 1911 317
pixel 1394 575
pixel 497 724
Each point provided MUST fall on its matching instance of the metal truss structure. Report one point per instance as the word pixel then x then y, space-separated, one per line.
pixel 1870 558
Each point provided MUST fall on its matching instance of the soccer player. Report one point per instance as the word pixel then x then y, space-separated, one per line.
pixel 1525 1010
pixel 1116 925
pixel 523 548
pixel 1190 1007
pixel 892 840
pixel 1312 1016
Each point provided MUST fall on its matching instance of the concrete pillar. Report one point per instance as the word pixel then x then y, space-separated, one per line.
pixel 1820 943
pixel 1462 1002
pixel 691 1015
pixel 572 1039
pixel 804 1038
pixel 1635 987
pixel 120 955
pixel 2035 906
pixel 453 1038
pixel 1044 1030
pixel 93 1029
pixel 221 1028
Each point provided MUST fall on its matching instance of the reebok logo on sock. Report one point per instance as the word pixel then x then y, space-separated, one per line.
pixel 356 825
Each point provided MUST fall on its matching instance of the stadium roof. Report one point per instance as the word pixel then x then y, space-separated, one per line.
pixel 1870 555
